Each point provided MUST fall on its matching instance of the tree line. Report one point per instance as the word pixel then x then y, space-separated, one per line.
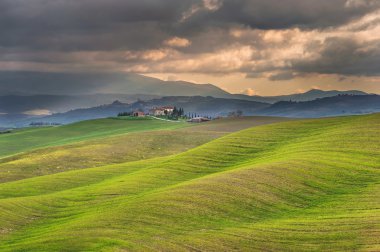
pixel 125 114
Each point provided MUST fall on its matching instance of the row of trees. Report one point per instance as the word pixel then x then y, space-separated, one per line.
pixel 44 124
pixel 237 113
pixel 194 115
pixel 125 114
pixel 177 112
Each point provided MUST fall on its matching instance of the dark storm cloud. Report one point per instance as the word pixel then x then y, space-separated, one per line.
pixel 281 14
pixel 132 35
pixel 281 76
pixel 344 56
pixel 137 24
pixel 86 24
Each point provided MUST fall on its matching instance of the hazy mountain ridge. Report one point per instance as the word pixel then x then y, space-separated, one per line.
pixel 328 106
pixel 206 106
pixel 17 104
pixel 79 96
pixel 307 96
pixel 79 84
pixel 61 92
pixel 209 106
pixel 16 83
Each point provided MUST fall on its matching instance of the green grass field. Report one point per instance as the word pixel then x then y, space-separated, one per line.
pixel 307 185
pixel 29 139
pixel 106 141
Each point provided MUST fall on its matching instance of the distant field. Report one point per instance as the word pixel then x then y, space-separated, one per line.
pixel 307 185
pixel 227 125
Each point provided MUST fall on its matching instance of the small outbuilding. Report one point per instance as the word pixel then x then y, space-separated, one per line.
pixel 138 114
pixel 199 120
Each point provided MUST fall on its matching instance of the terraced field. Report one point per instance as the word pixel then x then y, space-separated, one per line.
pixel 311 185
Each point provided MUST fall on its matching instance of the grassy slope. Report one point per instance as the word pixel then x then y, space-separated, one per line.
pixel 140 140
pixel 305 185
pixel 99 152
pixel 29 139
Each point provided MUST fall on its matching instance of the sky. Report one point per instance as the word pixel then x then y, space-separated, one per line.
pixel 255 47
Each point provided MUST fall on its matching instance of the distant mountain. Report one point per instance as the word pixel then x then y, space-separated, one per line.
pixel 37 83
pixel 205 106
pixel 307 96
pixel 209 106
pixel 15 120
pixel 329 106
pixel 85 84
pixel 24 95
pixel 18 104
pixel 317 94
pixel 60 92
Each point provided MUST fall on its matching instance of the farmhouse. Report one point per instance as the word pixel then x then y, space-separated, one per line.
pixel 199 120
pixel 138 113
pixel 160 111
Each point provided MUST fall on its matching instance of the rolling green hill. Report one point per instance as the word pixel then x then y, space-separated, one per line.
pixel 307 185
pixel 43 151
pixel 32 138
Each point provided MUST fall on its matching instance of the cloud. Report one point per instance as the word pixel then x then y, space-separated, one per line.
pixel 38 112
pixel 344 56
pixel 249 91
pixel 145 24
pixel 205 5
pixel 254 75
pixel 212 5
pixel 277 40
pixel 274 14
pixel 281 76
pixel 149 55
pixel 226 60
pixel 177 42
pixel 360 3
